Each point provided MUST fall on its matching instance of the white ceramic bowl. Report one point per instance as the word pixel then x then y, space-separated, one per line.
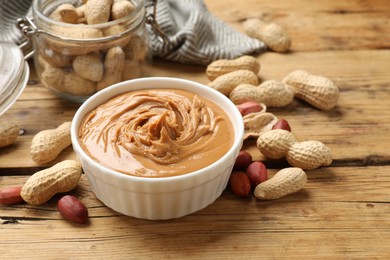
pixel 165 197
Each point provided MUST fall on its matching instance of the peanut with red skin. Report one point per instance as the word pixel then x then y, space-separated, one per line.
pixel 10 196
pixel 282 124
pixel 73 209
pixel 243 160
pixel 239 184
pixel 257 173
pixel 250 107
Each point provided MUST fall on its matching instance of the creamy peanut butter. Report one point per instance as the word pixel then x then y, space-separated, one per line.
pixel 156 133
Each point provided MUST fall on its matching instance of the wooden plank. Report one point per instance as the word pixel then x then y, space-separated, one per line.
pixel 318 25
pixel 331 217
pixel 136 242
pixel 341 214
pixel 348 129
pixel 327 184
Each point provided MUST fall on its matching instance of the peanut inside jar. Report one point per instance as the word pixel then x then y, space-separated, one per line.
pixel 156 133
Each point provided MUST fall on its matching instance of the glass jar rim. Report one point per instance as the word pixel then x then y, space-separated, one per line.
pixel 15 74
pixel 135 18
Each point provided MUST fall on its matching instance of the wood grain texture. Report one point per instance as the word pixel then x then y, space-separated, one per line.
pixel 329 218
pixel 319 25
pixel 348 129
pixel 341 214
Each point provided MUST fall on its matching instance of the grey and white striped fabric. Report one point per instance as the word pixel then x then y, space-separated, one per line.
pixel 197 36
pixel 194 35
pixel 9 12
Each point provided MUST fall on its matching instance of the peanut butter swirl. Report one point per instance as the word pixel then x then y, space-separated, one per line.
pixel 156 133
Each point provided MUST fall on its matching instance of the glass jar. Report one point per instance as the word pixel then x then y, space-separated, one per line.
pixel 14 73
pixel 75 59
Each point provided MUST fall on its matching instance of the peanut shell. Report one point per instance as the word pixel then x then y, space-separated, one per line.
pixel 309 155
pixel 275 144
pixel 42 185
pixel 223 66
pixel 47 144
pixel 227 82
pixel 257 123
pixel 273 35
pixel 272 93
pixel 318 91
pixel 284 182
pixel 9 131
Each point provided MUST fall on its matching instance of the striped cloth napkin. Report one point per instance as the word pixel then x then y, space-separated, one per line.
pixel 197 36
pixel 193 34
pixel 9 12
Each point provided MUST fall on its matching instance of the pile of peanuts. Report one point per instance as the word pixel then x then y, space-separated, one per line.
pixel 62 177
pixel 238 79
pixel 83 67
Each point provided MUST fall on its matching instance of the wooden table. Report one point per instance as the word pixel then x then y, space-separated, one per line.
pixel 343 212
